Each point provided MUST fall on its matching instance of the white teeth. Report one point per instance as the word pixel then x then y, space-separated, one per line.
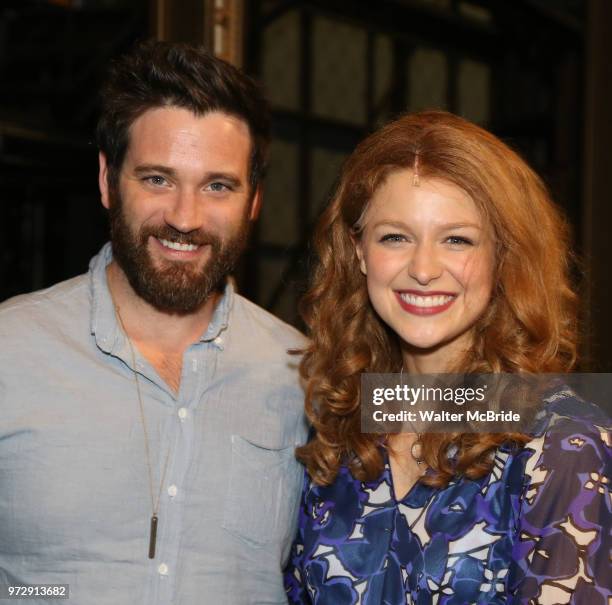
pixel 425 301
pixel 177 246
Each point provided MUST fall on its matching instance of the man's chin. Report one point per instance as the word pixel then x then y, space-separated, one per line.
pixel 182 301
pixel 174 287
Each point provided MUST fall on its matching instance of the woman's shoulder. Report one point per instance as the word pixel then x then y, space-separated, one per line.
pixel 345 486
pixel 563 510
pixel 568 431
pixel 569 437
pixel 563 407
pixel 562 474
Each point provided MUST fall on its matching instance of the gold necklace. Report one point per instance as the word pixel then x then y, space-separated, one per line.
pixel 416 450
pixel 154 501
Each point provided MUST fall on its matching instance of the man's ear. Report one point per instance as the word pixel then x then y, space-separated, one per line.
pixel 103 180
pixel 256 204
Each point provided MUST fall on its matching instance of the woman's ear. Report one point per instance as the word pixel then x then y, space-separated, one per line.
pixel 359 251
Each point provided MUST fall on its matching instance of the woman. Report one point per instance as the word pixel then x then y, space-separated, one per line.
pixel 442 252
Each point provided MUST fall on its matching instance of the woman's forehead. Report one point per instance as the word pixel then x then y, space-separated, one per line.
pixel 432 198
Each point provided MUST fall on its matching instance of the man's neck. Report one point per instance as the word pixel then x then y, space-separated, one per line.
pixel 153 330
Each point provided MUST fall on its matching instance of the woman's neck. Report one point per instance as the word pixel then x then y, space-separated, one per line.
pixel 438 360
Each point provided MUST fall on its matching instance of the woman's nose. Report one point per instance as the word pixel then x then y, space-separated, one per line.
pixel 424 265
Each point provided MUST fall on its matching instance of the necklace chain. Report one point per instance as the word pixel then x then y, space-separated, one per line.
pixel 154 501
pixel 416 447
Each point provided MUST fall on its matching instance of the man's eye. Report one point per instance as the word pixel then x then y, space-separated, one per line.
pixel 155 179
pixel 218 187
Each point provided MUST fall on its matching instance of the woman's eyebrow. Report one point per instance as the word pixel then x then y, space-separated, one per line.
pixel 396 224
pixel 444 226
pixel 461 225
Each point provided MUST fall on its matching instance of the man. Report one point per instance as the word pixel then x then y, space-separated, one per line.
pixel 149 413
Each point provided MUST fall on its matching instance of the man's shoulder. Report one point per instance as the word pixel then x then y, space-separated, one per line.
pixel 265 327
pixel 60 301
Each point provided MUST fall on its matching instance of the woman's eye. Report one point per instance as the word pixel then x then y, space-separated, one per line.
pixel 457 240
pixel 393 237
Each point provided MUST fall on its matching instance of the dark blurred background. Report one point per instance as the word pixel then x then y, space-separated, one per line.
pixel 535 72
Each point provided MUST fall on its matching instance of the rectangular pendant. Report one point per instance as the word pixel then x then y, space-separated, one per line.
pixel 153 537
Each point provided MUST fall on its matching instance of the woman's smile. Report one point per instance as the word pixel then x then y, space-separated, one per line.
pixel 424 303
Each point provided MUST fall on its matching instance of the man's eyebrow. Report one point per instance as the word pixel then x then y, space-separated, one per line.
pixel 229 177
pixel 147 169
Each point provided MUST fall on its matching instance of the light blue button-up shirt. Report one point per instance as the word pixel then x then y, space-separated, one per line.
pixel 75 501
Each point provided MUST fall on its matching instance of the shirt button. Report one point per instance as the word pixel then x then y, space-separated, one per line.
pixel 182 413
pixel 218 341
pixel 172 491
pixel 163 569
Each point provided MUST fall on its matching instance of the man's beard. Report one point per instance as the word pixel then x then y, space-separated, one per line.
pixel 173 286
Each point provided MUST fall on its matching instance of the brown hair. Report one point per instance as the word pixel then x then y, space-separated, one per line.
pixel 158 74
pixel 530 325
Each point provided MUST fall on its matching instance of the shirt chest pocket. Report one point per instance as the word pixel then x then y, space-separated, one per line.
pixel 263 492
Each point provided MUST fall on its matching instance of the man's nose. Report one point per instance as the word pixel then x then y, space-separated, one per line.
pixel 424 265
pixel 184 213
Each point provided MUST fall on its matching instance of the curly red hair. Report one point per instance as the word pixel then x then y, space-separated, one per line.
pixel 530 325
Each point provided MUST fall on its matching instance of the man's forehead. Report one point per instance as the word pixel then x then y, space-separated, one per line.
pixel 179 134
pixel 168 112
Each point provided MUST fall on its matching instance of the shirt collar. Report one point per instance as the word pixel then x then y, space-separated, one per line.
pixel 221 314
pixel 103 321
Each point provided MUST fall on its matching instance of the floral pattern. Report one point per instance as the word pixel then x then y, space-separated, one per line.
pixel 536 529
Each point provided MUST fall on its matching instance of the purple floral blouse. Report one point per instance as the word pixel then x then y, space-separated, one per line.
pixel 536 530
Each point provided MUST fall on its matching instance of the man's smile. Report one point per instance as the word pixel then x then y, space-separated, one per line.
pixel 178 251
pixel 177 246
